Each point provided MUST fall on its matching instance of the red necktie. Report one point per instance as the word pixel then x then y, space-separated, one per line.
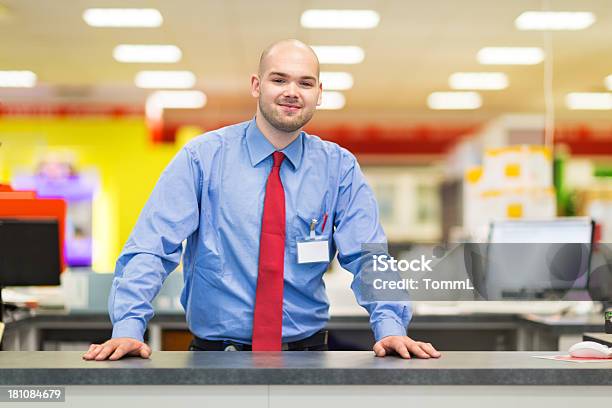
pixel 268 315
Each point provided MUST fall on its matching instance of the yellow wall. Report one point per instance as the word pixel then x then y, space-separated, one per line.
pixel 127 162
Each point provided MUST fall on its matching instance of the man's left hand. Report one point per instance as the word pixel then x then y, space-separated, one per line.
pixel 404 346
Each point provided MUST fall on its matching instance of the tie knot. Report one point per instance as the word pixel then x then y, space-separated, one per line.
pixel 278 158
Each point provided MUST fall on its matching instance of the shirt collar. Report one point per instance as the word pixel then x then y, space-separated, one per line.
pixel 259 147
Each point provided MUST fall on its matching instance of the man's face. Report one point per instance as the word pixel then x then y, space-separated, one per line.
pixel 288 89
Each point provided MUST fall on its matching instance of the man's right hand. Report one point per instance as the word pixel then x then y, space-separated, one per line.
pixel 114 349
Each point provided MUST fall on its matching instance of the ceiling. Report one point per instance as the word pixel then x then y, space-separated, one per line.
pixel 416 46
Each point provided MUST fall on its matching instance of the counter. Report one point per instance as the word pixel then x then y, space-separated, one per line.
pixel 304 368
pixel 312 379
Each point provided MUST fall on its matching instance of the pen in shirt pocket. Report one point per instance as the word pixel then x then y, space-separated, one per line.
pixel 324 222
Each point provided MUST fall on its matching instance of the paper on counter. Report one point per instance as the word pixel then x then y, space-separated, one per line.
pixel 576 359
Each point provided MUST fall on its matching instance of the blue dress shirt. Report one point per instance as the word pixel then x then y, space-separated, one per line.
pixel 211 195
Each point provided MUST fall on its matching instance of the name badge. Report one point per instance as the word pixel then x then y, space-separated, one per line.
pixel 312 250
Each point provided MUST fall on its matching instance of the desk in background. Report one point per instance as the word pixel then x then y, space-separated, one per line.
pixel 168 331
pixel 603 338
pixel 451 326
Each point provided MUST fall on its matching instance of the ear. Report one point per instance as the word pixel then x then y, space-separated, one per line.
pixel 255 83
pixel 320 98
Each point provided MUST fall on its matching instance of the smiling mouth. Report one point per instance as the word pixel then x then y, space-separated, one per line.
pixel 290 107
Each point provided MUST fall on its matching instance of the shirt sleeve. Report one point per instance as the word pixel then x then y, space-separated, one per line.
pixel 154 247
pixel 357 223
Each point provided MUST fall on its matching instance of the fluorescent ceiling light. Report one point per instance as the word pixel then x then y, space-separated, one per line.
pixel 510 55
pixel 336 81
pixel 127 17
pixel 147 53
pixel 17 79
pixel 478 80
pixel 554 20
pixel 339 54
pixel 332 100
pixel 179 99
pixel 589 100
pixel 160 100
pixel 609 82
pixel 454 100
pixel 165 79
pixel 361 19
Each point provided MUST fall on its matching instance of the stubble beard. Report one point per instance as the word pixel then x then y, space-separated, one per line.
pixel 285 123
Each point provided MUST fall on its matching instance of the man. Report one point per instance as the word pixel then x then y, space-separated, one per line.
pixel 248 198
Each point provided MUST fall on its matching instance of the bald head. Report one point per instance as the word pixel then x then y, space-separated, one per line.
pixel 287 49
pixel 287 86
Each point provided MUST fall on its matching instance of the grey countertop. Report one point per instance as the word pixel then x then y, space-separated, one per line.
pixel 331 368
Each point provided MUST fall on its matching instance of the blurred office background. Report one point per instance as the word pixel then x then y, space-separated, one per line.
pixel 460 113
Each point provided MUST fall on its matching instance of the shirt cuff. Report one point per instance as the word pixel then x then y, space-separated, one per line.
pixel 388 327
pixel 132 328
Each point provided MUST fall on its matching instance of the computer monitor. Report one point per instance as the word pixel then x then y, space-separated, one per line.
pixel 532 258
pixel 29 252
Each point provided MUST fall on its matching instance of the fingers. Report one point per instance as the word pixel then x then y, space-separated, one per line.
pixel 429 349
pixel 119 352
pixel 379 350
pixel 391 344
pixel 86 354
pixel 134 349
pixel 145 351
pixel 92 352
pixel 117 348
pixel 107 349
pixel 405 347
pixel 402 349
pixel 415 348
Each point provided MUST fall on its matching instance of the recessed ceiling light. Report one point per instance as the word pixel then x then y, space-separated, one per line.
pixel 339 54
pixel 332 100
pixel 336 81
pixel 147 53
pixel 510 55
pixel 589 100
pixel 17 79
pixel 478 80
pixel 123 17
pixel 554 20
pixel 165 79
pixel 359 19
pixel 608 82
pixel 454 100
